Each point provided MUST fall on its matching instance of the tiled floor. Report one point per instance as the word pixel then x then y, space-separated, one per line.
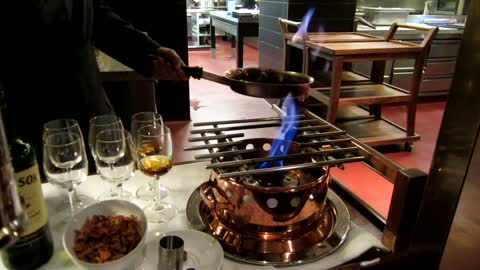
pixel 211 101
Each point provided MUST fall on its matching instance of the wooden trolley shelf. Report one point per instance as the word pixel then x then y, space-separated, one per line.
pixel 324 78
pixel 359 123
pixel 363 94
pixel 377 132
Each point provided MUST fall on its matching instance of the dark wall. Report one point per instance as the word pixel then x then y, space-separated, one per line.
pixel 465 7
pixel 329 16
pixel 165 22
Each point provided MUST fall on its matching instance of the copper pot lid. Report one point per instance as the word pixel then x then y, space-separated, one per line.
pixel 272 248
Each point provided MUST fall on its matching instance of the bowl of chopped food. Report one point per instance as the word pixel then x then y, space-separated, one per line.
pixel 107 235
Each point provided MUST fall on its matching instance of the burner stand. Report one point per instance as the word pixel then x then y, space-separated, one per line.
pixel 331 232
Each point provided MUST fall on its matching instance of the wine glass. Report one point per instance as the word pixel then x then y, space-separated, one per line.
pixel 68 125
pixel 142 119
pixel 154 150
pixel 139 120
pixel 115 161
pixel 100 123
pixel 65 163
pixel 62 125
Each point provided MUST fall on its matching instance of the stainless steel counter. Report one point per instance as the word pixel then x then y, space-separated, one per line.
pixel 452 30
pixel 404 33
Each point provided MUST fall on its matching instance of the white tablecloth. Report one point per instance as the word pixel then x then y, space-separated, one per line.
pixel 182 180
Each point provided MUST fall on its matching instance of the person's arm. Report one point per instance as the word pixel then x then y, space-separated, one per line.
pixel 119 39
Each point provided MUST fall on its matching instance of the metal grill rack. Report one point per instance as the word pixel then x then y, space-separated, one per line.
pixel 325 144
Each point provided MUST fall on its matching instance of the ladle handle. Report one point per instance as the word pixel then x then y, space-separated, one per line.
pixel 198 73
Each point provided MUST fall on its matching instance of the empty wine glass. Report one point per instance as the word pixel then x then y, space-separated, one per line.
pixel 139 120
pixel 154 150
pixel 62 125
pixel 100 123
pixel 68 125
pixel 115 161
pixel 65 163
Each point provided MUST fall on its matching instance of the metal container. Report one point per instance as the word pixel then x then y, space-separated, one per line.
pixel 273 201
pixel 265 212
pixel 270 210
pixel 386 16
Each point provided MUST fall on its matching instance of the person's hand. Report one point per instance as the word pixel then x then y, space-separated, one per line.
pixel 167 65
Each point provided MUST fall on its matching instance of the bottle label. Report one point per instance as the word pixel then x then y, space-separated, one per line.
pixel 31 197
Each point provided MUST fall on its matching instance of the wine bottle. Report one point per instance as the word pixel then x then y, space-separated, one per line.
pixel 35 246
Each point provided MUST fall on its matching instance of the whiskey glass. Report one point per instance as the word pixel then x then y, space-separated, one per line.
pixel 154 148
pixel 139 120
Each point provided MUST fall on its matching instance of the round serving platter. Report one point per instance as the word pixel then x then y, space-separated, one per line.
pixel 337 217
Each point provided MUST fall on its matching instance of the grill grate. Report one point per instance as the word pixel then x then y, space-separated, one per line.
pixel 318 140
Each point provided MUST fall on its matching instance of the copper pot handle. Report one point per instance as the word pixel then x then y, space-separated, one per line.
pixel 207 194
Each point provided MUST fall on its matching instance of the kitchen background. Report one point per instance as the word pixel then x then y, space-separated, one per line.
pixel 192 34
pixel 168 28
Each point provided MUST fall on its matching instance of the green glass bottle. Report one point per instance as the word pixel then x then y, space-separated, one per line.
pixel 35 246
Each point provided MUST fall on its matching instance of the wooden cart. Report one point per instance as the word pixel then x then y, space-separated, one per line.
pixel 363 96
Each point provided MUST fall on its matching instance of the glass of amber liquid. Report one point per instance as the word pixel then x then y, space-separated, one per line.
pixel 154 150
pixel 139 120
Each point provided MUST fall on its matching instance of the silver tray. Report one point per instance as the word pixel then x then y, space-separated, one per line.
pixel 335 207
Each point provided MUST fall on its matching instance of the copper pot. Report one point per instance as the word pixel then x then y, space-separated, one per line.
pixel 280 204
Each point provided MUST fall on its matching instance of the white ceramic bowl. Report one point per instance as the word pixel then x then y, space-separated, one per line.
pixel 107 208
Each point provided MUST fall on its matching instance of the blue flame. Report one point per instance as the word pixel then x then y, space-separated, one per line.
pixel 286 133
pixel 302 33
pixel 303 29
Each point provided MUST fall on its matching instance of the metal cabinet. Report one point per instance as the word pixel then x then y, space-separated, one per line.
pixel 200 28
pixel 438 73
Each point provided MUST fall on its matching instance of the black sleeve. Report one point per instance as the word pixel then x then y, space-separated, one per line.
pixel 119 39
